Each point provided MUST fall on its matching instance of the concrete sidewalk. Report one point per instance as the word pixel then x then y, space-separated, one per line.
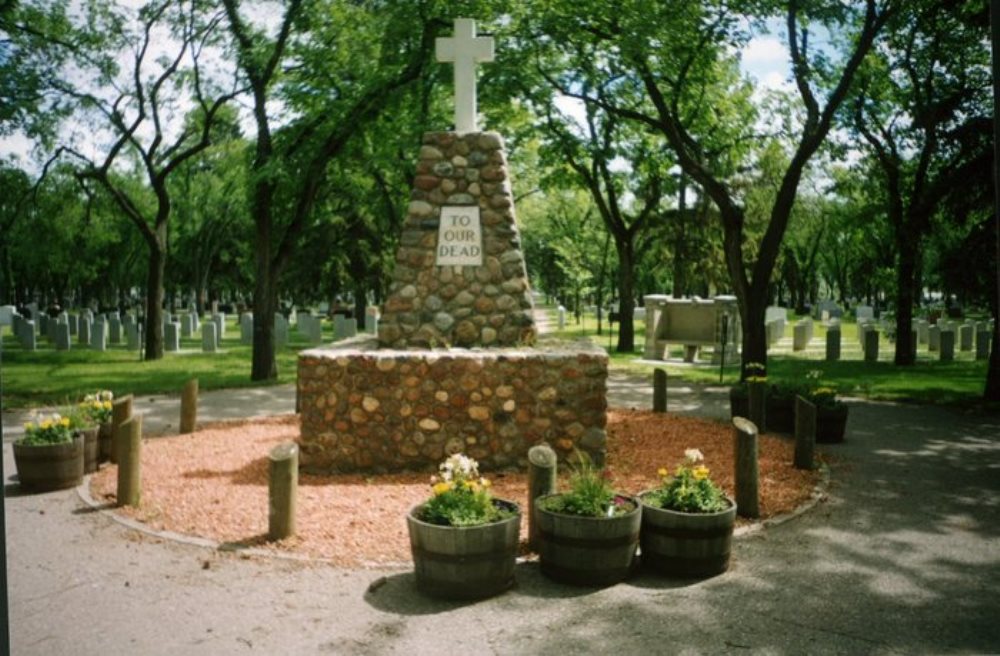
pixel 903 557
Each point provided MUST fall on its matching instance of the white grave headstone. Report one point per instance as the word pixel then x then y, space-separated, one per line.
pixel 62 337
pixel 246 328
pixel 29 342
pixel 99 335
pixel 220 325
pixel 115 328
pixel 864 312
pixel 84 336
pixel 209 342
pixel 172 337
pixel 947 353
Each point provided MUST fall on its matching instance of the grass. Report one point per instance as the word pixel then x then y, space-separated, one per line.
pixel 46 377
pixel 928 382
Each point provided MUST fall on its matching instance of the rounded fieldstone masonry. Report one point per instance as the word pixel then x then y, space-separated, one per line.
pixel 487 305
pixel 365 408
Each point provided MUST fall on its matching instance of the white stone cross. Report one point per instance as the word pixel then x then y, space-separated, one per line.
pixel 465 49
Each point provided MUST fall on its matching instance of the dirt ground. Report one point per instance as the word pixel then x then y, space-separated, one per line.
pixel 213 484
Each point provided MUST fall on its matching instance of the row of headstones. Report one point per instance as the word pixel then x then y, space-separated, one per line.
pixel 90 330
pixel 310 326
pixel 939 339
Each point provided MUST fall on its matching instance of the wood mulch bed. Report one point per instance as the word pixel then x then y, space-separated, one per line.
pixel 213 484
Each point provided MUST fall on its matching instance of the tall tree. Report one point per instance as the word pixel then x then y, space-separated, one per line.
pixel 914 103
pixel 670 54
pixel 360 58
pixel 132 107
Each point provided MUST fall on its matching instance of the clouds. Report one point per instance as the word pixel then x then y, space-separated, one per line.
pixel 765 59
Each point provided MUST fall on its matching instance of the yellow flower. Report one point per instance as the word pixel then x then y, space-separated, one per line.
pixel 46 424
pixel 485 482
pixel 662 471
pixel 107 405
pixel 64 421
pixel 29 426
pixel 441 488
pixel 701 472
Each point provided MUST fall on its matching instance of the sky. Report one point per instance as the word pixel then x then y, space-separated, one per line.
pixel 765 60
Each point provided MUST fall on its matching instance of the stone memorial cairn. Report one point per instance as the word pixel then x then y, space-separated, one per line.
pixel 453 368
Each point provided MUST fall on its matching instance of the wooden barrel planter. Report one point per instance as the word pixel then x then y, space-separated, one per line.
pixel 46 467
pixel 104 438
pixel 592 551
pixel 90 449
pixel 831 424
pixel 464 562
pixel 780 414
pixel 687 545
pixel 739 402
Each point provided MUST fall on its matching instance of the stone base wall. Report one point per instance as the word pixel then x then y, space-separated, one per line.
pixel 381 410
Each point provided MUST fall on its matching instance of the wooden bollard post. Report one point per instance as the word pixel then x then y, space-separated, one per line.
pixel 757 391
pixel 542 469
pixel 282 490
pixel 659 390
pixel 805 433
pixel 121 411
pixel 189 406
pixel 130 462
pixel 747 474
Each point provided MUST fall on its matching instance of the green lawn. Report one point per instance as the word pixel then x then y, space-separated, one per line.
pixel 955 383
pixel 47 377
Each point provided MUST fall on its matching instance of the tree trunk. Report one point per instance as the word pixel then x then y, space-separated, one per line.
pixel 992 391
pixel 754 343
pixel 154 300
pixel 680 255
pixel 906 268
pixel 626 296
pixel 360 302
pixel 265 304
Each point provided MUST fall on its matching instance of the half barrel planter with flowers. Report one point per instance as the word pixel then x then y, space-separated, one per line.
pixel 99 406
pixel 49 456
pixel 464 542
pixel 588 535
pixel 831 415
pixel 687 522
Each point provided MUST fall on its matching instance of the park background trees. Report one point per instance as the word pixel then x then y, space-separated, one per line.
pixel 264 151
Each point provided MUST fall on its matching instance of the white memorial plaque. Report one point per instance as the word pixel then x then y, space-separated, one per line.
pixel 460 237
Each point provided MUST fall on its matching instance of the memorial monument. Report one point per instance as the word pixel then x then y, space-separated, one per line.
pixel 455 366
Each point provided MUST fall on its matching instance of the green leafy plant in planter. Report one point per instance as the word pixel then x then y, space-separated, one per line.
pixel 687 522
pixel 49 457
pixel 462 534
pixel 589 534
pixel 831 414
pixel 82 423
pixel 739 394
pixel 100 407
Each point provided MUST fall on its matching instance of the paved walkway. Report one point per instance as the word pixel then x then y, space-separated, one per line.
pixel 903 557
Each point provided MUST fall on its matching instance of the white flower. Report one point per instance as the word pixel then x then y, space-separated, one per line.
pixel 459 466
pixel 693 456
